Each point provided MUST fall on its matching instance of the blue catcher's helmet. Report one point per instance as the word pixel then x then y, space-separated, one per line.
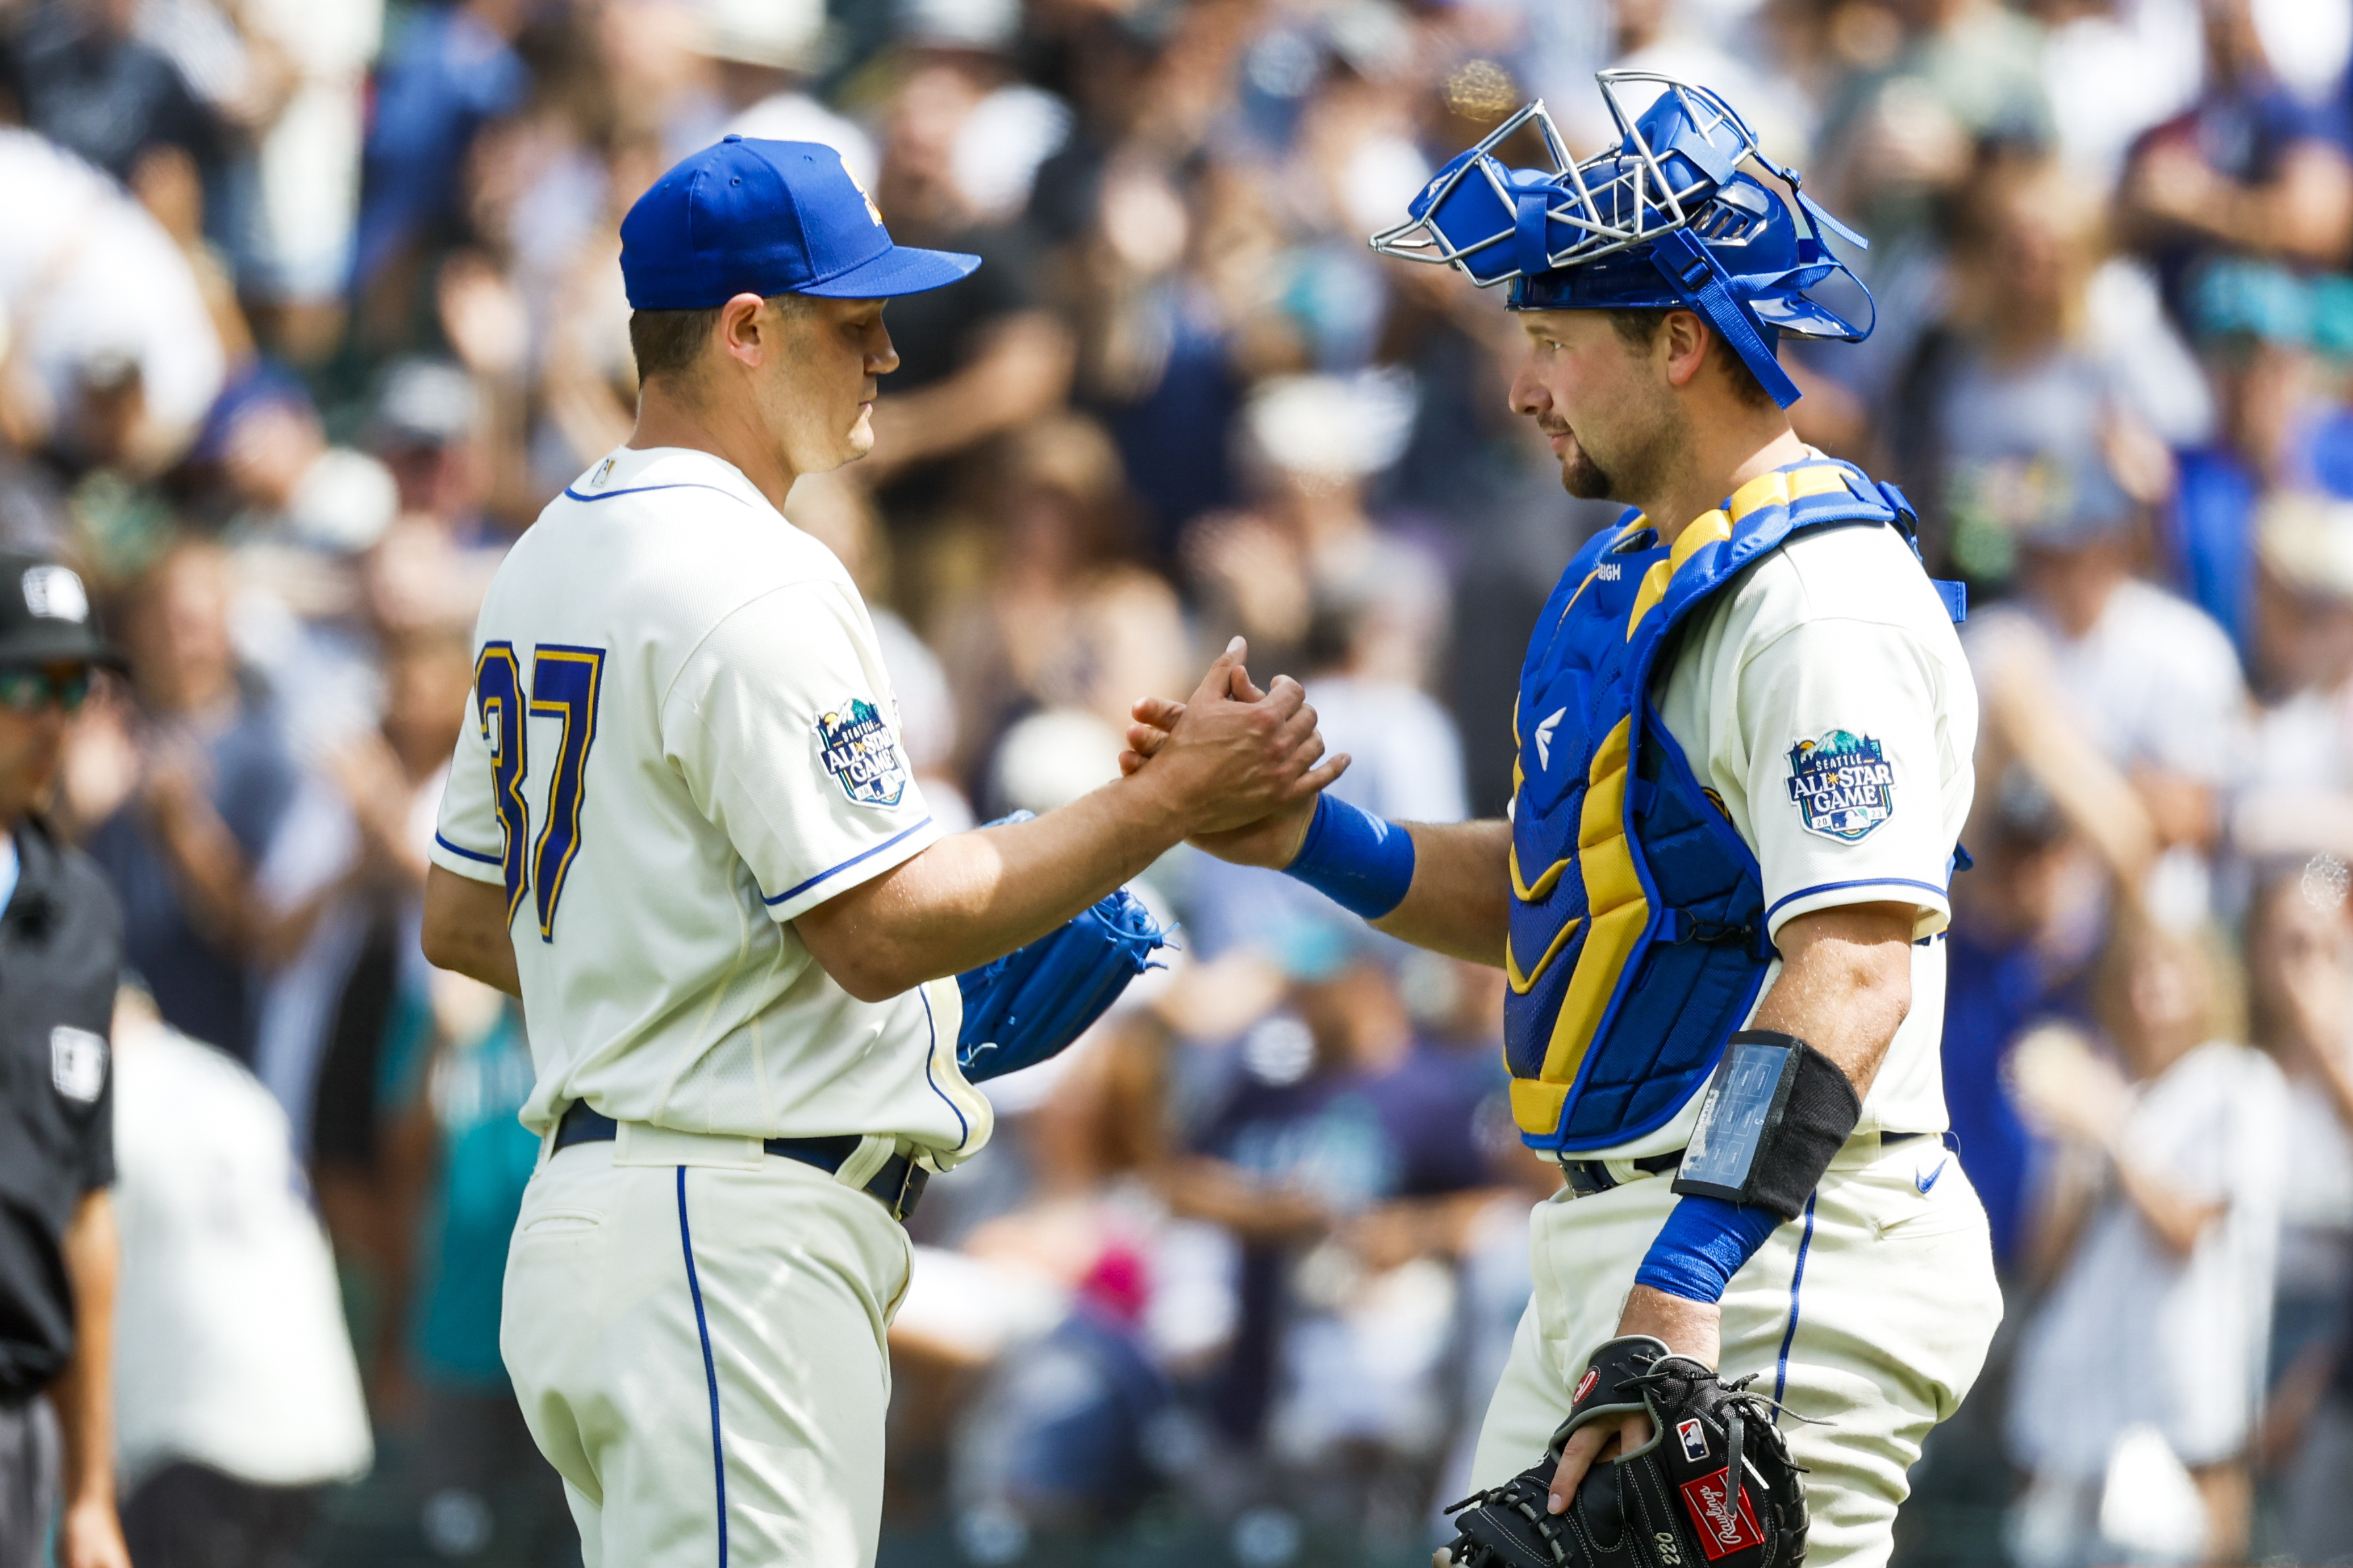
pixel 1665 220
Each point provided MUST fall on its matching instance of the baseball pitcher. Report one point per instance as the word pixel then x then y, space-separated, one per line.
pixel 680 826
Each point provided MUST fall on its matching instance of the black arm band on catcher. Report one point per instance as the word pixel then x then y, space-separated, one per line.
pixel 1776 1113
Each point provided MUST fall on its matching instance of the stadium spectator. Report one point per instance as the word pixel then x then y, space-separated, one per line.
pixel 82 78
pixel 766 52
pixel 2300 1007
pixel 1307 548
pixel 208 783
pixel 2250 169
pixel 1933 80
pixel 2160 1241
pixel 2044 341
pixel 455 1166
pixel 453 68
pixel 237 1397
pixel 2297 795
pixel 104 301
pixel 2149 680
pixel 306 84
pixel 980 357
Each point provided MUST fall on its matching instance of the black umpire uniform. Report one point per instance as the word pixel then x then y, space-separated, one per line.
pixel 60 958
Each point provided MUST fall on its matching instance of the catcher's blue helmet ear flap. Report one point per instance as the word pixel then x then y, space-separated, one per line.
pixel 1665 220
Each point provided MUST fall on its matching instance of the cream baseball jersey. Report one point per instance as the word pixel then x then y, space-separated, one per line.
pixel 683 737
pixel 1825 701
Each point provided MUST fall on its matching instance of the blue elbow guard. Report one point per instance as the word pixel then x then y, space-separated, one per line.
pixel 1702 1245
pixel 1358 861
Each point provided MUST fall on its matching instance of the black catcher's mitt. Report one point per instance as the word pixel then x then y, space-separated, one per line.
pixel 1714 1488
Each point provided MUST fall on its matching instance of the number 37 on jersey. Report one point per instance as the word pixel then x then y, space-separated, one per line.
pixel 564 688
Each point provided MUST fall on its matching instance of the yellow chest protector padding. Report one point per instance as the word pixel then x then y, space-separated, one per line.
pixel 1636 942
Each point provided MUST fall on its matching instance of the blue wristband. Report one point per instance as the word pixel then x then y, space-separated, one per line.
pixel 1358 861
pixel 1702 1245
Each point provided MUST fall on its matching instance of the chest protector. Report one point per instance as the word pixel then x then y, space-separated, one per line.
pixel 1638 942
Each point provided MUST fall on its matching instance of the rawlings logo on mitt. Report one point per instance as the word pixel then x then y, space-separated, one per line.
pixel 1714 1488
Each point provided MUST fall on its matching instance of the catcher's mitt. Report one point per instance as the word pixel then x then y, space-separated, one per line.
pixel 1022 1008
pixel 1714 1488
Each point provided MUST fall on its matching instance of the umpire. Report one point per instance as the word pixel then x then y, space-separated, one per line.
pixel 60 953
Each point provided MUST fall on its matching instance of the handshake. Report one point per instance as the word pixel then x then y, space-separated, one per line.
pixel 1241 768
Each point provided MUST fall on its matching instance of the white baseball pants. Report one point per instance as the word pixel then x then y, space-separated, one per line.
pixel 696 1332
pixel 1869 1315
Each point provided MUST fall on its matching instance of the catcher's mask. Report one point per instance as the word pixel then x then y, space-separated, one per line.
pixel 1663 220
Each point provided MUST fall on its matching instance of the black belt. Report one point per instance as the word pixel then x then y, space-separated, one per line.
pixel 1587 1177
pixel 897 1187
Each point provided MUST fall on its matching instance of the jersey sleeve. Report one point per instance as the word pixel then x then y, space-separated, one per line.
pixel 783 725
pixel 1845 771
pixel 467 838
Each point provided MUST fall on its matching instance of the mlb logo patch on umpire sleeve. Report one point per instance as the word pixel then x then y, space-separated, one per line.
pixel 1842 785
pixel 76 1063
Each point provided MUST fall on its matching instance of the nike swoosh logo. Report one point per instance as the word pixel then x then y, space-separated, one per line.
pixel 1930 1179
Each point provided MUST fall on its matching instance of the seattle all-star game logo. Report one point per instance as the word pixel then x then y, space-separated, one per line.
pixel 858 749
pixel 1842 785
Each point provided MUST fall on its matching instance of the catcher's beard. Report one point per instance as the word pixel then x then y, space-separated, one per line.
pixel 1584 478
pixel 1652 444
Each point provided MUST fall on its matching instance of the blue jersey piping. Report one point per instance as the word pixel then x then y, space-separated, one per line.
pixel 800 888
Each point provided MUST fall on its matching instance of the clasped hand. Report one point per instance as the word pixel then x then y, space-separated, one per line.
pixel 1233 756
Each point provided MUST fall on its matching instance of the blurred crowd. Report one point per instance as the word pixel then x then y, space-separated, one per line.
pixel 306 308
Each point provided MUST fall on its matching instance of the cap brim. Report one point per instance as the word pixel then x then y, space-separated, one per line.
pixel 901 269
pixel 66 645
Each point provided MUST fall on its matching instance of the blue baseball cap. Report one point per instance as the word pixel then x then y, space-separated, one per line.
pixel 767 217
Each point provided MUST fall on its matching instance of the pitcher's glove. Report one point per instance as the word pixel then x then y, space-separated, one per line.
pixel 1714 1488
pixel 1022 1008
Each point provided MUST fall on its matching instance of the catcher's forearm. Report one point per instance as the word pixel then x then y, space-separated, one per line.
pixel 1845 985
pixel 1844 988
pixel 1460 901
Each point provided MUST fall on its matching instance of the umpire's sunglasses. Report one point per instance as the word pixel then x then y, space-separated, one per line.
pixel 28 689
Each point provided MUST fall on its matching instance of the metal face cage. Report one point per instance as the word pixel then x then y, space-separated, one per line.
pixel 1663 175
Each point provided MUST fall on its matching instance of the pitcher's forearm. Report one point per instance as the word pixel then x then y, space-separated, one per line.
pixel 973 896
pixel 1461 900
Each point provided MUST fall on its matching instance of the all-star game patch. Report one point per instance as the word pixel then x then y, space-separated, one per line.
pixel 1842 785
pixel 861 754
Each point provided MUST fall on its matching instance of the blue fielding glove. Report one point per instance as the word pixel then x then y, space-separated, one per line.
pixel 1028 1006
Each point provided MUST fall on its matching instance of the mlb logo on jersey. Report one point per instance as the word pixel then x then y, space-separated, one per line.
pixel 76 1063
pixel 857 750
pixel 1842 785
pixel 1722 1529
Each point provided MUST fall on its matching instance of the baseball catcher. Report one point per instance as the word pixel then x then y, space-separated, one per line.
pixel 1743 738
